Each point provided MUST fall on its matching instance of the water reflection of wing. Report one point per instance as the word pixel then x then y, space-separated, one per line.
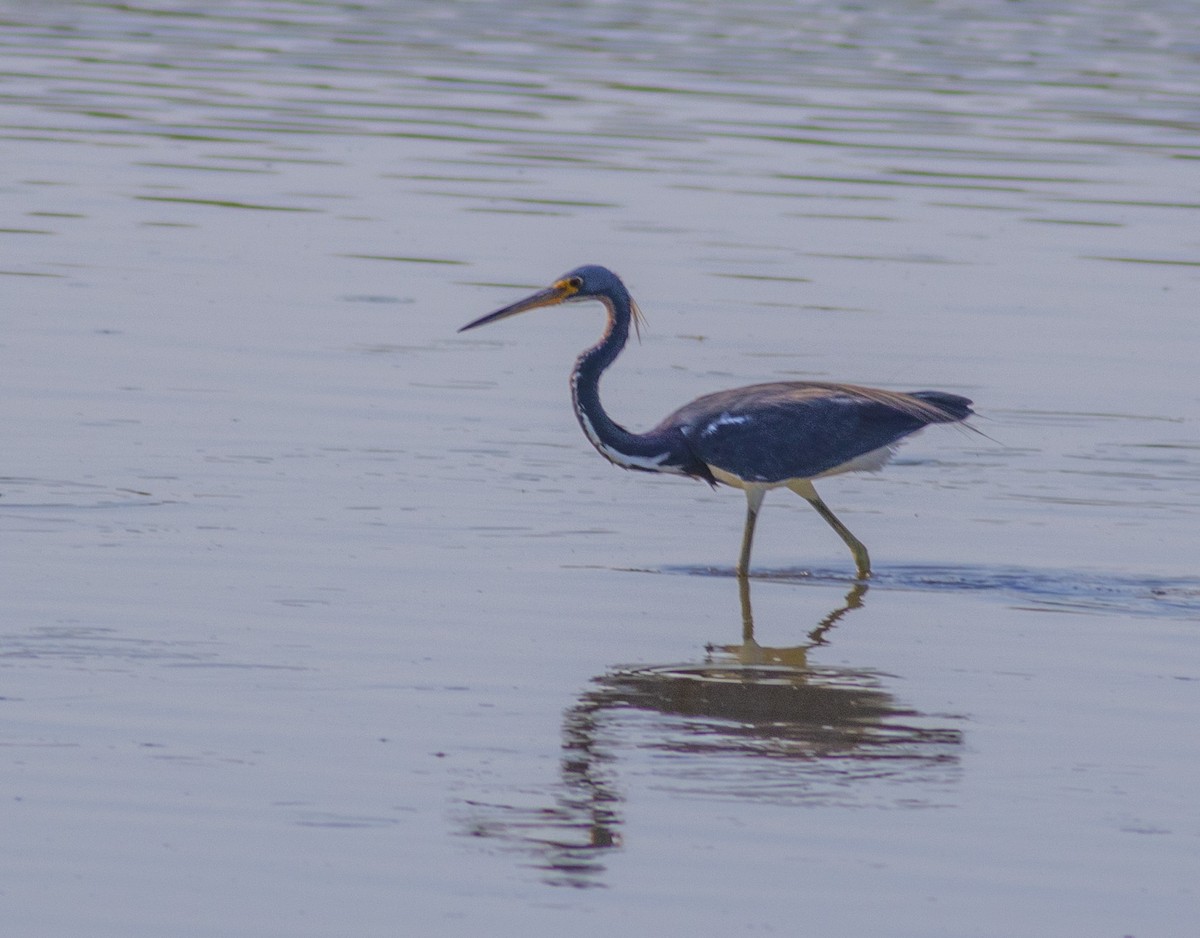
pixel 748 723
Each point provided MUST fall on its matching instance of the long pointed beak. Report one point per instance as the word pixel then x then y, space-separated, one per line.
pixel 551 296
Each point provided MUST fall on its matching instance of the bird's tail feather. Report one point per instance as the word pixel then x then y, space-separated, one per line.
pixel 954 407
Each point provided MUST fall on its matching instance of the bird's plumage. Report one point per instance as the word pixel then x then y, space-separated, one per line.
pixel 803 429
pixel 756 437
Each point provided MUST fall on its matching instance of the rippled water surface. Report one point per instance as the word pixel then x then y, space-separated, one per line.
pixel 320 618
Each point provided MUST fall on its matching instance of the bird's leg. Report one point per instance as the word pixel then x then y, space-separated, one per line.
pixel 754 500
pixel 805 490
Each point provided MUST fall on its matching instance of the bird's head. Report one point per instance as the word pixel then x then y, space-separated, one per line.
pixel 590 282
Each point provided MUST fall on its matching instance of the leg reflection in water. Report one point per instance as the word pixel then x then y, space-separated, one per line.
pixel 796 656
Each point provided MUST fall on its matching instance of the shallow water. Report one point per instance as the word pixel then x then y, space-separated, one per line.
pixel 319 615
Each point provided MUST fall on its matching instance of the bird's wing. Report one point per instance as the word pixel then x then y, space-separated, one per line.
pixel 787 430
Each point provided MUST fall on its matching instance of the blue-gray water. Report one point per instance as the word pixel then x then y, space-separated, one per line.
pixel 319 618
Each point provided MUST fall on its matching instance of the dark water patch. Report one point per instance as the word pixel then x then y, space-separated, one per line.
pixel 332 819
pixel 1165 261
pixel 95 646
pixel 225 203
pixel 206 168
pixel 1084 222
pixel 763 277
pixel 402 260
pixel 29 493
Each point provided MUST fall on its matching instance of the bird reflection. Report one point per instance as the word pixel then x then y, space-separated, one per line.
pixel 745 723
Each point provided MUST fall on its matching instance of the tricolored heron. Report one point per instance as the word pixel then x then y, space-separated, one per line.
pixel 760 437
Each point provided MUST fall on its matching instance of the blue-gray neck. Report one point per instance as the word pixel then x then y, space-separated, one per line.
pixel 652 451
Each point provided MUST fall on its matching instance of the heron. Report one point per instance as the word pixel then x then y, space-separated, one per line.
pixel 783 434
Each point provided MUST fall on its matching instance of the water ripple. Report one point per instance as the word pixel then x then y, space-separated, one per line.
pixel 1047 590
